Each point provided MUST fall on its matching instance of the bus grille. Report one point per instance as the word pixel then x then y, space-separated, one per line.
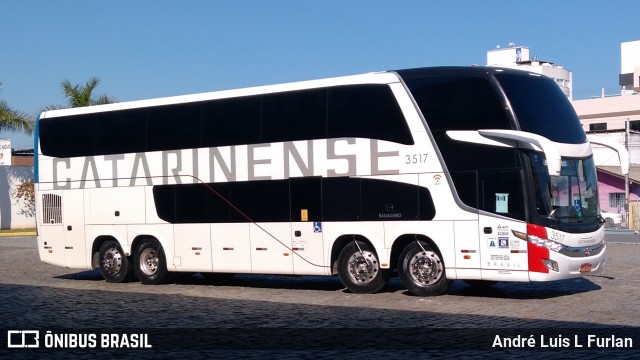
pixel 51 209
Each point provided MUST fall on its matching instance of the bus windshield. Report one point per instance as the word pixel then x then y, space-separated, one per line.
pixel 570 198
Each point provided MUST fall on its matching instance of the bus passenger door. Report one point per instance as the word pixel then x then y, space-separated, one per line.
pixel 73 227
pixel 502 211
pixel 307 248
pixel 503 256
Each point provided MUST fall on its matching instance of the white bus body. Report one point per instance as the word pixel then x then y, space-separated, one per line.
pixel 438 173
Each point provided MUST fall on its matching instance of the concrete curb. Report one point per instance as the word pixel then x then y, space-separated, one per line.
pixel 621 231
pixel 19 233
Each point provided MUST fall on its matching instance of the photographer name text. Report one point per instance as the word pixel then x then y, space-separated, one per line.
pixel 560 341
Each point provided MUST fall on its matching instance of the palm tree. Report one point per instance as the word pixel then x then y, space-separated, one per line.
pixel 81 95
pixel 14 120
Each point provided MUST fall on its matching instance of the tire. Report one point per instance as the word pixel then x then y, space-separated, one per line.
pixel 480 284
pixel 360 271
pixel 115 267
pixel 609 222
pixel 150 263
pixel 422 271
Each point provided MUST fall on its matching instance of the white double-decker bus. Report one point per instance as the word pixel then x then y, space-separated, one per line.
pixel 471 173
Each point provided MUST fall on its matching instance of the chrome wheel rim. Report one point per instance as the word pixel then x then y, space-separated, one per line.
pixel 363 267
pixel 426 268
pixel 112 261
pixel 149 261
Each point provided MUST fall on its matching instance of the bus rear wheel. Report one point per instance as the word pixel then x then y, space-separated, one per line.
pixel 359 269
pixel 421 270
pixel 115 267
pixel 150 263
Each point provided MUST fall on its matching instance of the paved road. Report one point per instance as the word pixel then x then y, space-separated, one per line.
pixel 278 316
pixel 623 236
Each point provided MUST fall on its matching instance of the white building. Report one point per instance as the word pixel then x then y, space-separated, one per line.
pixel 609 114
pixel 608 117
pixel 630 66
pixel 5 152
pixel 518 57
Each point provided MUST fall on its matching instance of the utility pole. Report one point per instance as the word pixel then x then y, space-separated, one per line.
pixel 626 177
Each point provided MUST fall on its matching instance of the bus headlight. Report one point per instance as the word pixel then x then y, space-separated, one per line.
pixel 551 264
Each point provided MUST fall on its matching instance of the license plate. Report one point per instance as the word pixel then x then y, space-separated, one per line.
pixel 584 268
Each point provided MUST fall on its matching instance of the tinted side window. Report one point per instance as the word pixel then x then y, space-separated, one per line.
pixel 341 199
pixel 459 103
pixel 501 192
pixel 497 191
pixel 68 136
pixel 324 199
pixel 426 206
pixel 384 200
pixel 366 111
pixel 469 103
pixel 306 195
pixel 121 132
pixel 231 121
pixel 164 198
pixel 197 203
pixel 192 203
pixel 260 200
pixel 173 127
pixel 295 115
pixel 466 183
pixel 389 200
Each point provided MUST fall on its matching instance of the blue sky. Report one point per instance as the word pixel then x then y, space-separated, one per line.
pixel 153 48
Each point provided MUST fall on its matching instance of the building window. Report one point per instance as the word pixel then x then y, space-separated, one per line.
pixel 634 125
pixel 597 126
pixel 616 200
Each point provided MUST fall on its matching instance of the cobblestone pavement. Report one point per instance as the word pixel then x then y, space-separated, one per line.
pixel 314 317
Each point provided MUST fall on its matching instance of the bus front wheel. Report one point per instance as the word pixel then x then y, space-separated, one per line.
pixel 150 262
pixel 421 270
pixel 359 269
pixel 115 267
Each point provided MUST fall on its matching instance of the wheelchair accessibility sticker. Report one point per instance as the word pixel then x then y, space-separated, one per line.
pixel 317 227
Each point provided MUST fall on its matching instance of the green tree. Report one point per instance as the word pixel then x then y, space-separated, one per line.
pixel 14 120
pixel 81 95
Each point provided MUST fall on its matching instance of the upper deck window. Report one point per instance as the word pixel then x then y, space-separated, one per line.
pixel 459 103
pixel 363 111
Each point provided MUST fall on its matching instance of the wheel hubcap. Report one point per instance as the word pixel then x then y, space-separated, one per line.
pixel 149 261
pixel 112 261
pixel 425 268
pixel 363 267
